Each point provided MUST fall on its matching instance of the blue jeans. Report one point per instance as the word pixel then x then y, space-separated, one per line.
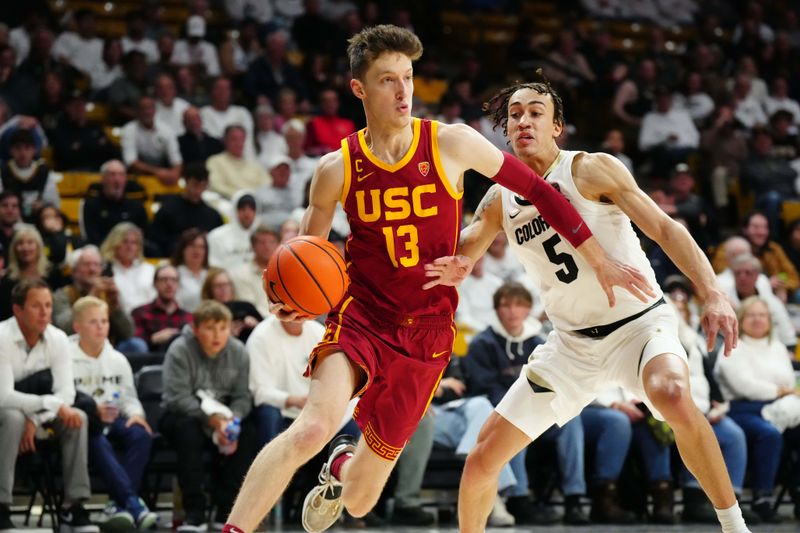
pixel 764 442
pixel 569 447
pixel 133 345
pixel 458 428
pixel 609 432
pixel 653 454
pixel 270 423
pixel 122 477
pixel 733 443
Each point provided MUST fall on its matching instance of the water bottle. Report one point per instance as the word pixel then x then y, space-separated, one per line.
pixel 232 431
pixel 112 403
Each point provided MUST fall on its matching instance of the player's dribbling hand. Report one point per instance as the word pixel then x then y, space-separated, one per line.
pixel 614 273
pixel 449 271
pixel 718 317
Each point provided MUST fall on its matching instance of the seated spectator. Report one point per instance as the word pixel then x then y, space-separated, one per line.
pixel 327 129
pixel 124 92
pixel 190 257
pixel 272 71
pixel 269 143
pixel 107 71
pixel 708 398
pixel 122 253
pixel 500 262
pixel 785 142
pixel 303 166
pixel 31 179
pixel 229 245
pixel 276 201
pixel 26 261
pixel 233 170
pixel 194 51
pixel 758 372
pixel 614 144
pixel 410 472
pixel 81 48
pixel 19 91
pixel 682 202
pixel 206 377
pixel 110 207
pixel 240 49
pixel 278 353
pixel 694 99
pixel 747 110
pixel 724 148
pixel 104 374
pixel 218 286
pixel 36 392
pixel 475 310
pixel 188 88
pixel 634 96
pixel 783 277
pixel 570 69
pixel 668 134
pixel 494 359
pixel 746 271
pixel 770 178
pixel 150 147
pixel 179 213
pixel 10 217
pixel 248 278
pixel 58 240
pixel 169 107
pixel 87 280
pixel 160 321
pixel 458 417
pixel 779 100
pixel 78 144
pixel 221 114
pixel 732 248
pixel 195 144
pixel 135 39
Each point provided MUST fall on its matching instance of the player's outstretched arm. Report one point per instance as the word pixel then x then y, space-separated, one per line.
pixel 601 175
pixel 475 239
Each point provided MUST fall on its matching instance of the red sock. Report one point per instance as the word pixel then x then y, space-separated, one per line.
pixel 336 465
pixel 230 528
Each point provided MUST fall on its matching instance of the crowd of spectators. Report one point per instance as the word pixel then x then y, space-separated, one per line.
pixel 235 107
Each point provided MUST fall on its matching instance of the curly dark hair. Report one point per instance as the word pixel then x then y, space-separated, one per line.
pixel 497 106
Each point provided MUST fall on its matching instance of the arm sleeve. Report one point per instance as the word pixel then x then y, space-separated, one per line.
pixel 178 394
pixel 552 205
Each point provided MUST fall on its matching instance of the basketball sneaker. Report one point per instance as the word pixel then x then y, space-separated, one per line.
pixel 323 504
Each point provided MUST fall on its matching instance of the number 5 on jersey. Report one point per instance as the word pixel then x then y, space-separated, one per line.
pixel 408 236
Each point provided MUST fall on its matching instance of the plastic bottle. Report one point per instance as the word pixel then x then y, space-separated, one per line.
pixel 232 431
pixel 114 404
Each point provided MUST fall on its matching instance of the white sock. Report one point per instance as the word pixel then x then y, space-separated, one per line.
pixel 731 519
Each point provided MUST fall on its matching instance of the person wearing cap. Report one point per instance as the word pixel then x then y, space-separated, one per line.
pixel 277 201
pixel 233 170
pixel 188 210
pixel 229 244
pixel 668 134
pixel 194 50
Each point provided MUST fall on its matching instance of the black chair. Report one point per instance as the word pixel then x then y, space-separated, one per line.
pixel 41 470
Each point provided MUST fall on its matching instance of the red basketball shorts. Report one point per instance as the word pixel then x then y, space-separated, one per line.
pixel 403 358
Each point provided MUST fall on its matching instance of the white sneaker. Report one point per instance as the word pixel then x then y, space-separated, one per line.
pixel 500 517
pixel 323 504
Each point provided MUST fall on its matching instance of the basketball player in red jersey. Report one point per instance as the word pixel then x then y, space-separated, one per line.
pixel 388 341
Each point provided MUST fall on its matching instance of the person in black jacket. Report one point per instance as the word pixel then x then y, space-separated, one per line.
pixel 111 206
pixel 186 211
pixel 77 144
pixel 196 145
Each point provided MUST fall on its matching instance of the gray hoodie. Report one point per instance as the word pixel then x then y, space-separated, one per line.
pixel 188 369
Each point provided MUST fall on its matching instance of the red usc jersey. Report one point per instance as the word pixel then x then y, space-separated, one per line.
pixel 401 216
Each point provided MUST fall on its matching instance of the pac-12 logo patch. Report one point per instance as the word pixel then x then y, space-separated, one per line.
pixel 424 168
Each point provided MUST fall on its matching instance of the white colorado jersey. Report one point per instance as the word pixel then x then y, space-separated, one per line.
pixel 571 294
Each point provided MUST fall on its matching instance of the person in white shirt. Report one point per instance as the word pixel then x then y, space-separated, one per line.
pixel 695 100
pixel 233 170
pixel 80 49
pixel 169 108
pixel 758 372
pixel 294 131
pixel 194 50
pixel 780 100
pixel 667 132
pixel 122 249
pixel 36 394
pixel 105 374
pixel 475 306
pixel 105 72
pixel 229 244
pixel 221 114
pixel 747 110
pixel 277 200
pixel 136 39
pixel 248 278
pixel 269 142
pixel 278 357
pixel 149 146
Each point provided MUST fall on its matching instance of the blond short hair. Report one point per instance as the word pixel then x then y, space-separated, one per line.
pixel 211 311
pixel 85 303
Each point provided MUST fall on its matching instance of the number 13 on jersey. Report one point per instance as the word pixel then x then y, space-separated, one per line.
pixel 407 237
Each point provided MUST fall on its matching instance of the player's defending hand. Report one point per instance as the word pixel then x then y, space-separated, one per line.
pixel 718 317
pixel 449 271
pixel 615 273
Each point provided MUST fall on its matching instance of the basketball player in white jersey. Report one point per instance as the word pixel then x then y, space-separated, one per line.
pixel 633 344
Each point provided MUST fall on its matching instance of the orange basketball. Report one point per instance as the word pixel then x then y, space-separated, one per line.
pixel 307 274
